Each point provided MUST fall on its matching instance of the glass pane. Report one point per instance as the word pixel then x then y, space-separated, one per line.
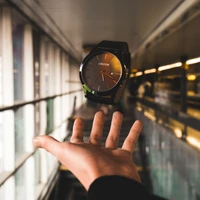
pixel 1 69
pixel 36 57
pixel 7 190
pixel 1 80
pixel 20 183
pixel 1 142
pixel 50 114
pixel 37 119
pixel 18 32
pixel 46 68
pixel 37 168
pixel 2 192
pixel 19 132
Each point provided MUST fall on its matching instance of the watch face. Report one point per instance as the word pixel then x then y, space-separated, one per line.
pixel 102 72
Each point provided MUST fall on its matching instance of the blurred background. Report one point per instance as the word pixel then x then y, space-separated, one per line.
pixel 42 44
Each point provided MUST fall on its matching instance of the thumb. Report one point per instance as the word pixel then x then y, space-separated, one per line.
pixel 50 144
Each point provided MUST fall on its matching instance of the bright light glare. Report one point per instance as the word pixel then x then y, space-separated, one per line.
pixel 132 75
pixel 179 64
pixel 191 77
pixel 150 116
pixel 139 74
pixel 193 141
pixel 139 108
pixel 149 71
pixel 193 61
pixel 178 132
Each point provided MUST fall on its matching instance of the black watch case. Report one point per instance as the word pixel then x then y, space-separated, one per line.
pixel 125 70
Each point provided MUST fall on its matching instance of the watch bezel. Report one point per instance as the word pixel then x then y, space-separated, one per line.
pixel 91 55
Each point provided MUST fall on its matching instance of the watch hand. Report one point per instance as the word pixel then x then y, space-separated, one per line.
pixel 102 75
pixel 97 77
pixel 109 77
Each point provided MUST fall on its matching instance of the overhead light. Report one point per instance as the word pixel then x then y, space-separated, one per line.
pixel 191 77
pixel 149 71
pixel 174 65
pixel 193 61
pixel 139 74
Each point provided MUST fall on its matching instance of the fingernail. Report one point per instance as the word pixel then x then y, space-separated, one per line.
pixel 36 142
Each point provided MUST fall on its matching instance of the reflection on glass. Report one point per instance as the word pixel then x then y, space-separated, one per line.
pixel 19 132
pixel 18 32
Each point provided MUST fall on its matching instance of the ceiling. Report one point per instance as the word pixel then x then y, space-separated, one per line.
pixel 75 23
pixel 90 21
pixel 179 41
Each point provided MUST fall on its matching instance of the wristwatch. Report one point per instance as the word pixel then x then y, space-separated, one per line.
pixel 104 72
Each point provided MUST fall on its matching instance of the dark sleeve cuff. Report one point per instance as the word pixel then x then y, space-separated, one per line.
pixel 117 188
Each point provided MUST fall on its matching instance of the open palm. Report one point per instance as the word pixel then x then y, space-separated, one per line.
pixel 89 161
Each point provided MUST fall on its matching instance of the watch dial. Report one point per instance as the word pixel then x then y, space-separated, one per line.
pixel 102 72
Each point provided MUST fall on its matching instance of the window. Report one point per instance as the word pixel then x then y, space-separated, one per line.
pixel 24 181
pixel 1 67
pixel 2 192
pixel 31 67
pixel 1 142
pixel 50 114
pixel 7 190
pixel 18 32
pixel 1 81
pixel 19 133
pixel 20 184
pixel 37 168
pixel 36 61
pixel 46 66
pixel 37 119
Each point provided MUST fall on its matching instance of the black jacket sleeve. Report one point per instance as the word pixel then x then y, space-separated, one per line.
pixel 117 188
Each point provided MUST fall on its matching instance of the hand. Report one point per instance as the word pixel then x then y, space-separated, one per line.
pixel 89 161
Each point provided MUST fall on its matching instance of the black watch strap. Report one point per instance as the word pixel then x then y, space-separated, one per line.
pixel 116 46
pixel 99 99
pixel 123 46
pixel 113 98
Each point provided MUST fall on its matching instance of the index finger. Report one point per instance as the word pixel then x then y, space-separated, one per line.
pixel 50 144
pixel 131 140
